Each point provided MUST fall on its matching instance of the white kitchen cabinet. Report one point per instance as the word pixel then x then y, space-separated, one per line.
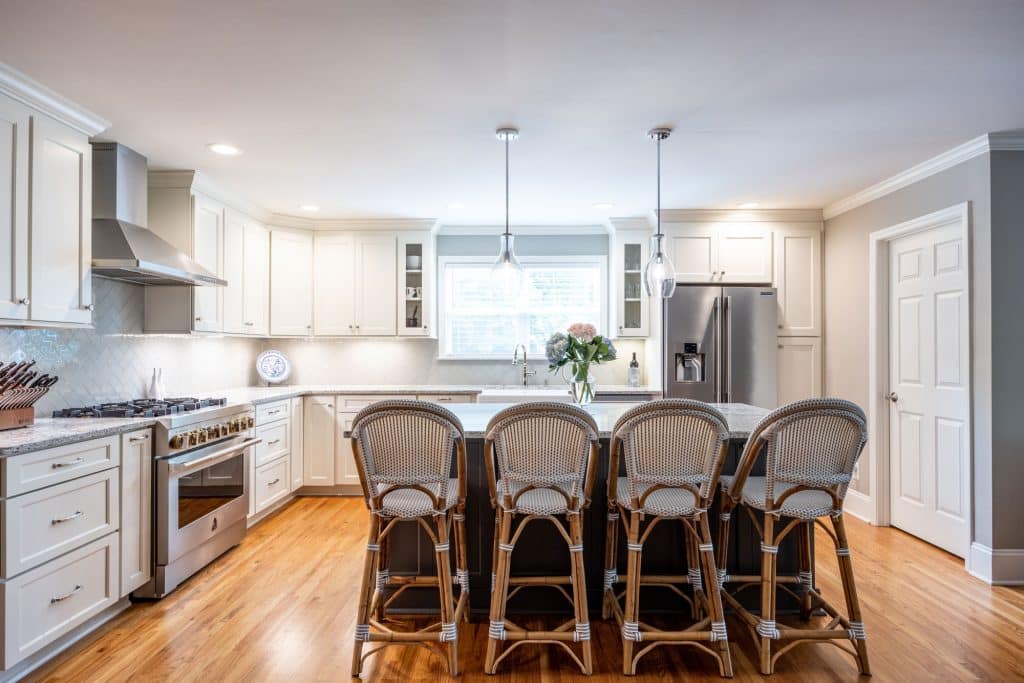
pixel 291 279
pixel 318 439
pixel 376 284
pixel 270 485
pixel 345 471
pixel 136 509
pixel 798 280
pixel 728 253
pixel 256 279
pixel 234 272
pixel 295 468
pixel 14 141
pixel 60 223
pixel 208 251
pixel 630 252
pixel 416 292
pixel 334 284
pixel 798 368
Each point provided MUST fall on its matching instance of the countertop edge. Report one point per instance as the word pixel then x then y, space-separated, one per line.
pixel 66 439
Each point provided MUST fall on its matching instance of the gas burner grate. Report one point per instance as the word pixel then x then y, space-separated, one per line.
pixel 142 407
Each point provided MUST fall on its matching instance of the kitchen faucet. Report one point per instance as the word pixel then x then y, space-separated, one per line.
pixel 526 368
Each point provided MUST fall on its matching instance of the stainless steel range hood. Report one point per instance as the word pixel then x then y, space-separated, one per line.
pixel 122 249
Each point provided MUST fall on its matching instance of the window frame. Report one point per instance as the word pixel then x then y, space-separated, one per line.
pixel 599 260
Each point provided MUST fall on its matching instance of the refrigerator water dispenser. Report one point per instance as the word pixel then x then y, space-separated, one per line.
pixel 689 364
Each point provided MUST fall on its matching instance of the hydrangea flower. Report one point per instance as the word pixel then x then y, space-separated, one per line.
pixel 556 347
pixel 585 332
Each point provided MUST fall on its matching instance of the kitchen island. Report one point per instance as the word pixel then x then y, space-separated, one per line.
pixel 411 553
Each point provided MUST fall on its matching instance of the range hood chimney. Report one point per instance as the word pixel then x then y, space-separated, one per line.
pixel 122 249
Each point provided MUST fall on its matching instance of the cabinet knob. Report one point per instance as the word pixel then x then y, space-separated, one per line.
pixel 89 307
pixel 357 327
pixel 198 319
pixel 24 301
pixel 424 327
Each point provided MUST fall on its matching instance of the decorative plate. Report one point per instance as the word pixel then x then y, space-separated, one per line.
pixel 273 367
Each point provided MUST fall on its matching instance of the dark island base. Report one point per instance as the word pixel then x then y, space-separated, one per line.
pixel 542 551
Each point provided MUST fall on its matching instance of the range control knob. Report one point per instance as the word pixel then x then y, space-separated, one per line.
pixel 193 438
pixel 201 435
pixel 250 421
pixel 177 441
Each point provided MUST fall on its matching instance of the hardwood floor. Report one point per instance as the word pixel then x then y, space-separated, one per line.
pixel 281 608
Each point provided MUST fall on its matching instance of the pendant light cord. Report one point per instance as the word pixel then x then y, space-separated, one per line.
pixel 507 232
pixel 659 190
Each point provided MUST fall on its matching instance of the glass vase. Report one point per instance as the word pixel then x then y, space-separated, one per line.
pixel 582 385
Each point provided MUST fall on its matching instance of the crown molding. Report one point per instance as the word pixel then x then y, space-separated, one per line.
pixel 539 230
pixel 196 181
pixel 36 95
pixel 741 216
pixel 990 142
pixel 631 223
pixel 371 224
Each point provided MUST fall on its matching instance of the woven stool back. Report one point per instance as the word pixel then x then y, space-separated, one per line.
pixel 544 445
pixel 671 442
pixel 405 443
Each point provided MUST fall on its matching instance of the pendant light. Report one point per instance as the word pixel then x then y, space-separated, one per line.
pixel 659 273
pixel 507 271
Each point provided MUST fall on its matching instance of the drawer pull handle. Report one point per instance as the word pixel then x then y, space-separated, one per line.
pixel 143 437
pixel 271 443
pixel 70 463
pixel 271 483
pixel 62 598
pixel 274 412
pixel 61 520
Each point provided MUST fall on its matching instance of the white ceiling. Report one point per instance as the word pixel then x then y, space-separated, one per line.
pixel 387 109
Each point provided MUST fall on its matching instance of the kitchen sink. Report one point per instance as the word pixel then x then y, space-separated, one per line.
pixel 519 394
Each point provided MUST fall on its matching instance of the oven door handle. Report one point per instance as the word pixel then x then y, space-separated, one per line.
pixel 211 459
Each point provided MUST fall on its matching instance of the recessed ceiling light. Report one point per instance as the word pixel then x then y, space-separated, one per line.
pixel 311 208
pixel 749 205
pixel 455 206
pixel 604 206
pixel 224 149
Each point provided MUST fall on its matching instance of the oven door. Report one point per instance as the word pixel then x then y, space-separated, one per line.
pixel 199 493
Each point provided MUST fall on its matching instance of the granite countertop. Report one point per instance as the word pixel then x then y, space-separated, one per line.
pixel 50 432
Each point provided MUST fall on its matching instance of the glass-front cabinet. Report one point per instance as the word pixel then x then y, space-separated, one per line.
pixel 632 305
pixel 416 296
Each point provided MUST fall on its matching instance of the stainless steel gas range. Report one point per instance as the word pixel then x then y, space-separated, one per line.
pixel 201 484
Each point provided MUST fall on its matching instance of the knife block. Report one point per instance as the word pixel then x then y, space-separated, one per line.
pixel 13 418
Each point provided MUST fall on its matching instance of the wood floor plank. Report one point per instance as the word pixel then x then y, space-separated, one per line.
pixel 281 607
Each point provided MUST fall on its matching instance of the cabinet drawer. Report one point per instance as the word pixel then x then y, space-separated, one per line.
pixel 45 603
pixel 31 471
pixel 275 442
pixel 271 483
pixel 41 525
pixel 356 403
pixel 269 412
pixel 446 398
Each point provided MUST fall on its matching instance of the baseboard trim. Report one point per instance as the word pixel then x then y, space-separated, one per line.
pixel 860 505
pixel 997 566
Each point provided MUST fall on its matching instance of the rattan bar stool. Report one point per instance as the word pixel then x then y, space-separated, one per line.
pixel 403 451
pixel 540 460
pixel 810 449
pixel 673 450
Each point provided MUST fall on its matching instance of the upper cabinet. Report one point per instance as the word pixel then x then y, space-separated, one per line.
pixel 798 280
pixel 630 303
pixel 416 298
pixel 234 272
pixel 376 284
pixel 14 137
pixel 291 277
pixel 208 251
pixel 728 253
pixel 256 279
pixel 354 284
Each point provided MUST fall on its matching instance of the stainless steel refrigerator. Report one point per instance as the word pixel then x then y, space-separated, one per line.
pixel 720 344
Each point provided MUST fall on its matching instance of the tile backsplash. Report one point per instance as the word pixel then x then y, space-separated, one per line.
pixel 115 361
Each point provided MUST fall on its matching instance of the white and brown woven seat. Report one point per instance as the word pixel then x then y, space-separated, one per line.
pixel 540 460
pixel 809 449
pixel 403 452
pixel 673 451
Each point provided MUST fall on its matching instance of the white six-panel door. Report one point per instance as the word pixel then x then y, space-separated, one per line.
pixel 929 393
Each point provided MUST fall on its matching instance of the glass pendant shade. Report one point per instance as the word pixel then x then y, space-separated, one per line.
pixel 659 273
pixel 507 272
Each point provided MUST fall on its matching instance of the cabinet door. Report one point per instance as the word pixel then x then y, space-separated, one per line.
pixel 14 129
pixel 799 368
pixel 345 464
pixel 291 296
pixel 208 251
pixel 136 509
pixel 334 283
pixel 798 280
pixel 61 224
pixel 416 298
pixel 631 302
pixel 318 441
pixel 693 248
pixel 234 272
pixel 375 285
pixel 257 278
pixel 744 253
pixel 295 451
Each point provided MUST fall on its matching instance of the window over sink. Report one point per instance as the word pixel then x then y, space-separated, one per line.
pixel 477 322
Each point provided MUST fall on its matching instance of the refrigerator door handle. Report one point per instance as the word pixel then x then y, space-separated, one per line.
pixel 718 351
pixel 727 348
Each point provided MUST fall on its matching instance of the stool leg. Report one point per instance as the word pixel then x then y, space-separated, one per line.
pixel 806 570
pixel 500 593
pixel 714 593
pixel 767 593
pixel 632 611
pixel 449 629
pixel 611 550
pixel 579 587
pixel 365 593
pixel 693 567
pixel 724 525
pixel 850 591
pixel 461 556
pixel 383 565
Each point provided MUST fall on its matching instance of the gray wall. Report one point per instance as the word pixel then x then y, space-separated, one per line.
pixel 846 304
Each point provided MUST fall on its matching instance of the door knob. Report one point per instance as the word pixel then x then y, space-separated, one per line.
pixel 892 396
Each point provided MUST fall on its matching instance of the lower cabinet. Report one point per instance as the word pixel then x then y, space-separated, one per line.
pixel 295 451
pixel 798 368
pixel 318 441
pixel 136 509
pixel 345 471
pixel 271 483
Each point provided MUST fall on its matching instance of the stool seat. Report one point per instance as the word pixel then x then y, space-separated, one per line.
pixel 805 505
pixel 661 503
pixel 538 501
pixel 409 503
